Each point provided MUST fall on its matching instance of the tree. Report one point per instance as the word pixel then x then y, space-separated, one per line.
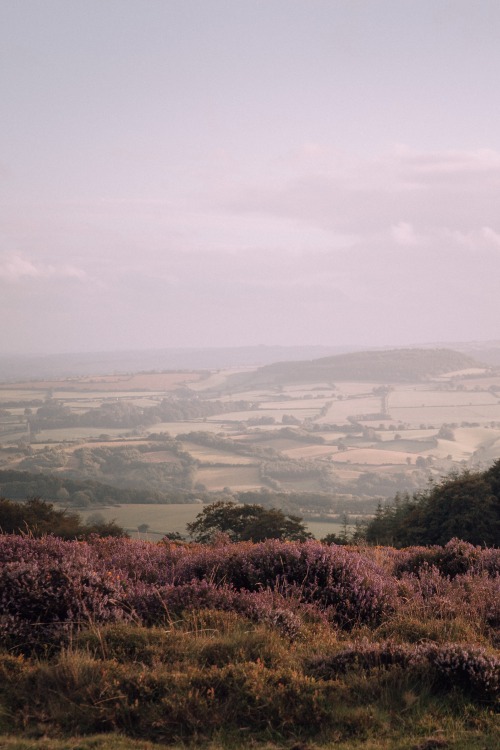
pixel 246 523
pixel 38 518
pixel 464 506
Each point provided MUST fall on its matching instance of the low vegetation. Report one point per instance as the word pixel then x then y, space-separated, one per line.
pixel 253 634
pixel 282 642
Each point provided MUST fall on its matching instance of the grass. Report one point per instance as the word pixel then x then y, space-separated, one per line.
pixel 161 518
pixel 453 740
pixel 270 672
pixel 213 680
pixel 174 517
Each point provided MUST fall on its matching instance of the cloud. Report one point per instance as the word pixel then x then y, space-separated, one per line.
pixel 451 162
pixel 342 194
pixel 15 268
pixel 404 234
pixel 492 237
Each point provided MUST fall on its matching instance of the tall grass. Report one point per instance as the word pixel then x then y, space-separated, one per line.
pixel 272 643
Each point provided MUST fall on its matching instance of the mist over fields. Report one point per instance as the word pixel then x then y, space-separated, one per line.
pixel 329 438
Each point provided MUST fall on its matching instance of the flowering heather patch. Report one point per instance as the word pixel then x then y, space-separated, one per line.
pixel 351 587
pixel 138 560
pixel 50 587
pixel 184 642
pixel 452 665
pixel 156 606
pixel 473 595
pixel 455 558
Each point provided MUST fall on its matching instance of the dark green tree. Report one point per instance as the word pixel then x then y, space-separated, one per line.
pixel 246 523
pixel 465 506
pixel 38 518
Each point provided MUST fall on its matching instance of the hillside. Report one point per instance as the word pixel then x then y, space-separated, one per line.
pixel 390 366
pixel 272 646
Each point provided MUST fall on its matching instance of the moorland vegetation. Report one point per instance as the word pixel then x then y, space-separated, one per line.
pixel 280 642
pixel 299 642
pixel 236 639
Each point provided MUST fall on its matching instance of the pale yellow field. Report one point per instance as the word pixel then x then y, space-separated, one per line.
pixel 372 456
pixel 241 478
pixel 413 434
pixel 10 393
pixel 102 395
pixel 320 529
pixel 114 443
pixel 204 453
pixel 296 404
pixel 159 457
pixel 310 451
pixel 445 448
pixel 475 436
pixel 437 415
pixel 425 398
pixel 216 379
pixel 341 410
pixel 77 433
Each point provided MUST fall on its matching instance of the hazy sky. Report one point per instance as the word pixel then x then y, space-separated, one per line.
pixel 237 172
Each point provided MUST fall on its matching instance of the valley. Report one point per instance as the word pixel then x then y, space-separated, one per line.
pixel 324 448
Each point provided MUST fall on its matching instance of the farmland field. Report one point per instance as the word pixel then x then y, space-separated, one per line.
pixel 211 455
pixel 357 441
pixel 239 478
pixel 180 428
pixel 163 519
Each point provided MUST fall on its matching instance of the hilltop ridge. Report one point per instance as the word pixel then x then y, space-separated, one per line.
pixel 393 365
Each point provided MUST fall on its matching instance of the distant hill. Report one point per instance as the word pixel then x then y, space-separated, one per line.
pixel 19 367
pixel 393 366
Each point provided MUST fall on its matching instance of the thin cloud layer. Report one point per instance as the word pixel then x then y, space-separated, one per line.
pixel 16 268
pixel 216 173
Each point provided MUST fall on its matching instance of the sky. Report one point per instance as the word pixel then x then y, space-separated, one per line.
pixel 206 173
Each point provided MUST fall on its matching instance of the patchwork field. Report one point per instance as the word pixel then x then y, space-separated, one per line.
pixel 328 446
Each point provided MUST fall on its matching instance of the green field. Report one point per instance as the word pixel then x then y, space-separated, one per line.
pixel 167 518
pixel 161 518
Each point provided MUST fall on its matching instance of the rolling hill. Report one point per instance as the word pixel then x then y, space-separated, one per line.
pixel 391 366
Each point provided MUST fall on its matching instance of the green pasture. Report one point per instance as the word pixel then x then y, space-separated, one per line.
pixel 167 518
pixel 161 518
